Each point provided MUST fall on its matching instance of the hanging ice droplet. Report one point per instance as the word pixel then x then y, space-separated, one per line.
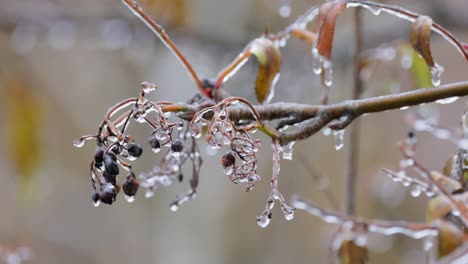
pixel 156 150
pixel 97 203
pixel 130 199
pixel 316 61
pixel 288 212
pixel 448 100
pixel 174 207
pixel 360 239
pixel 229 170
pixel 428 243
pixel 326 131
pixel 149 194
pixel 375 10
pixel 436 73
pixel 264 219
pixel 78 143
pixel 406 181
pixel 288 150
pixel 416 191
pixel 148 87
pixel 327 72
pixel 339 138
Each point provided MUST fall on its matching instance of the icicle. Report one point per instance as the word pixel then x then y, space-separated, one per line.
pixel 327 72
pixel 316 61
pixel 78 143
pixel 436 73
pixel 264 219
pixel 339 138
pixel 130 199
pixel 448 100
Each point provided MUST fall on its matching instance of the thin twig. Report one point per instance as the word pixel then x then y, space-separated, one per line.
pixel 161 33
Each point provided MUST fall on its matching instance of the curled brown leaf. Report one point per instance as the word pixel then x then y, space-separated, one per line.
pixel 420 37
pixel 269 58
pixel 350 253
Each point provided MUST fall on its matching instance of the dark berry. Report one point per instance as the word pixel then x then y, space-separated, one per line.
pixel 228 159
pixel 110 165
pixel 411 134
pixel 110 178
pixel 154 142
pixel 180 177
pixel 177 146
pixel 95 196
pixel 134 150
pixel 99 157
pixel 108 194
pixel 130 186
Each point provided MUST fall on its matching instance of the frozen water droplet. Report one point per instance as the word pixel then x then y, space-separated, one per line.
pixel 284 10
pixel 428 243
pixel 436 73
pixel 339 138
pixel 406 181
pixel 316 61
pixel 327 72
pixel 174 207
pixel 149 194
pixel 97 203
pixel 448 100
pixel 156 150
pixel 288 150
pixel 326 131
pixel 78 143
pixel 148 87
pixel 455 212
pixel 264 219
pixel 130 199
pixel 360 239
pixel 176 154
pixel 404 108
pixel 288 212
pixel 416 191
pixel 229 170
pixel 375 10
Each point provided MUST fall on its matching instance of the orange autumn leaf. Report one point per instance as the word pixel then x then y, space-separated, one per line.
pixel 327 20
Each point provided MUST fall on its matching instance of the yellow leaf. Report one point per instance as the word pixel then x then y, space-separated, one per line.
pixel 350 253
pixel 24 121
pixel 269 59
pixel 450 237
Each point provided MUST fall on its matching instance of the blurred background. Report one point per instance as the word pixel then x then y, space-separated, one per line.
pixel 63 63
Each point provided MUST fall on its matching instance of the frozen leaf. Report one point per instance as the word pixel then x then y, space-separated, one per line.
pixel 327 20
pixel 269 59
pixel 456 168
pixel 420 37
pixel 23 132
pixel 437 208
pixel 350 253
pixel 450 185
pixel 450 237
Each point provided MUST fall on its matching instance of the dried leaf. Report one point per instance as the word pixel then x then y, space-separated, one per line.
pixel 304 34
pixel 350 253
pixel 269 58
pixel 450 237
pixel 173 12
pixel 327 20
pixel 420 37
